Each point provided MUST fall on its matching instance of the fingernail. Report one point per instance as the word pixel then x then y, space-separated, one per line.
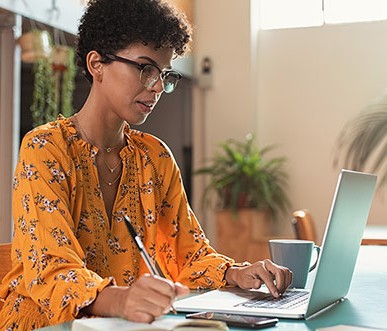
pixel 173 310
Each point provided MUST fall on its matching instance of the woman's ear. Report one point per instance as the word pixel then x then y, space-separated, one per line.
pixel 94 65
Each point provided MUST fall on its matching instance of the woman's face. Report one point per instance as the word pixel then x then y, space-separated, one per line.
pixel 123 94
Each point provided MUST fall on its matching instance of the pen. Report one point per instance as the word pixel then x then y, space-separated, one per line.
pixel 144 254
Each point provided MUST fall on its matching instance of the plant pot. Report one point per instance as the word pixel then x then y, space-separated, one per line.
pixel 35 45
pixel 244 235
pixel 60 56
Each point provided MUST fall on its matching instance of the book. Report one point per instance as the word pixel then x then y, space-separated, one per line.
pixel 162 324
pixel 347 328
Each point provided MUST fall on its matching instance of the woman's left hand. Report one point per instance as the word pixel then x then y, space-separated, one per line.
pixel 275 277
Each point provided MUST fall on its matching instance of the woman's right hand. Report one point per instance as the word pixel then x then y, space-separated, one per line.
pixel 150 297
pixel 144 301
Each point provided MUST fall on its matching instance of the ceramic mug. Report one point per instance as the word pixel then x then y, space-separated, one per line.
pixel 296 255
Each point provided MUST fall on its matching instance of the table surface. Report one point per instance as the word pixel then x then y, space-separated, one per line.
pixel 366 303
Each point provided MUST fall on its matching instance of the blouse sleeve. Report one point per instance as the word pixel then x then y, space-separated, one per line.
pixel 54 272
pixel 187 254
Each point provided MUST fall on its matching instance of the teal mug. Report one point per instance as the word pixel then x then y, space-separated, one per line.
pixel 296 255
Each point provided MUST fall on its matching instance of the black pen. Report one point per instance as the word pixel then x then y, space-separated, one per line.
pixel 143 252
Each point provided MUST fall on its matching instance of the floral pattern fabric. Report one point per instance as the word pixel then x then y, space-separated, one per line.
pixel 65 249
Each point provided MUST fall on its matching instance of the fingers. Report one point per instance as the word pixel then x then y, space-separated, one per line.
pixel 266 276
pixel 276 278
pixel 181 290
pixel 150 297
pixel 281 275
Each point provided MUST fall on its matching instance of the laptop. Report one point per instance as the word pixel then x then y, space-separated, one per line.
pixel 339 250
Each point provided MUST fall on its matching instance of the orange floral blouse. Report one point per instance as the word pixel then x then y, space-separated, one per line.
pixel 65 250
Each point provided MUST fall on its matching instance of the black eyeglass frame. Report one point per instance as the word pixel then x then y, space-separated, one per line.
pixel 141 66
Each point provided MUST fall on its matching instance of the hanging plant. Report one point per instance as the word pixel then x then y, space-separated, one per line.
pixel 43 108
pixel 35 44
pixel 54 72
pixel 63 58
pixel 68 85
pixel 36 48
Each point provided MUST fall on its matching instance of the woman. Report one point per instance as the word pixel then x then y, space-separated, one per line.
pixel 78 177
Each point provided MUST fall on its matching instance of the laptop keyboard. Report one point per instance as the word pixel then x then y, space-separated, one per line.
pixel 289 300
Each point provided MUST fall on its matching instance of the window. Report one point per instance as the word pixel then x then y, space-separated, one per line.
pixel 278 14
pixel 342 11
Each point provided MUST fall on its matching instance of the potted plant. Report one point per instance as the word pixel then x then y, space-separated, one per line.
pixel 250 192
pixel 35 44
pixel 243 177
pixel 54 78
pixel 44 106
pixel 363 141
pixel 63 62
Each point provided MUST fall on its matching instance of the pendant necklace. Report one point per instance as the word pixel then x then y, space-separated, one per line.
pixel 107 149
pixel 111 169
pixel 114 181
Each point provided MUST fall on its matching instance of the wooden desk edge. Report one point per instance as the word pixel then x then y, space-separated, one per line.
pixel 374 241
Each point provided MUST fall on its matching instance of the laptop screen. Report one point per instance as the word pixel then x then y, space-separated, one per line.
pixel 342 239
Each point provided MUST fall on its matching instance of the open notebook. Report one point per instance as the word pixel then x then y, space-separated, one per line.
pixel 342 239
pixel 160 324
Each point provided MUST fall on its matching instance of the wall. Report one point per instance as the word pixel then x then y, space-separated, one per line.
pixel 306 84
pixel 311 81
pixel 10 28
pixel 226 110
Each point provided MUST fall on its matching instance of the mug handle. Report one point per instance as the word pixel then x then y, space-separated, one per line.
pixel 318 249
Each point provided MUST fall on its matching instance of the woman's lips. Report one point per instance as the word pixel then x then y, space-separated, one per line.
pixel 146 107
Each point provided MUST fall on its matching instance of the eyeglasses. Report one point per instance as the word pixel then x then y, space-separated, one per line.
pixel 150 74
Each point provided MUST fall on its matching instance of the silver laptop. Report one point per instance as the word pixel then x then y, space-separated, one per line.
pixel 342 239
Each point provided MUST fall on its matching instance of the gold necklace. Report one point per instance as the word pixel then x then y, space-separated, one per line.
pixel 107 149
pixel 107 165
pixel 114 181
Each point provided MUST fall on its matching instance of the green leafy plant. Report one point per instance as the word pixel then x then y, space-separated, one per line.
pixel 243 177
pixel 44 107
pixel 54 73
pixel 68 84
pixel 363 141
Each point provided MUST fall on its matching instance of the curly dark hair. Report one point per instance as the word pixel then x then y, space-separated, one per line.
pixel 108 26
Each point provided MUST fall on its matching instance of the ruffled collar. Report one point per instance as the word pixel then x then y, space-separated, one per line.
pixel 68 126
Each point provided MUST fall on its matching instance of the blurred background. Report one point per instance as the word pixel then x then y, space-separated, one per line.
pixel 292 73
